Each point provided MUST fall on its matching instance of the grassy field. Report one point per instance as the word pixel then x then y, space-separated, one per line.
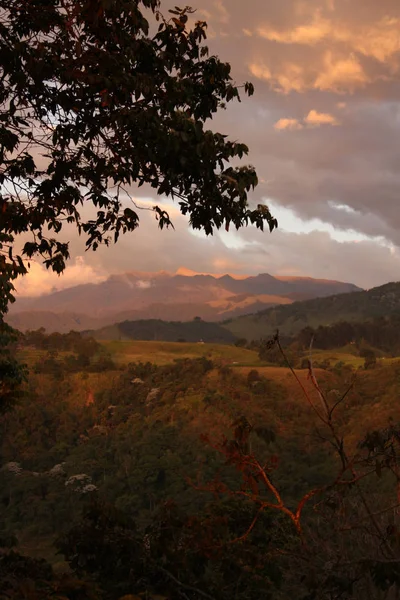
pixel 162 353
pixel 335 356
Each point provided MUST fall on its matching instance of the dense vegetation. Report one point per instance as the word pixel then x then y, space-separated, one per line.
pixel 169 331
pixel 144 476
pixel 379 332
pixel 369 340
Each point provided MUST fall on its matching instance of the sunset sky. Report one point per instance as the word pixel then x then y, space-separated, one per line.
pixel 324 134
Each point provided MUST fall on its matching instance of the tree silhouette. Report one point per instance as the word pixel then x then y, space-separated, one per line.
pixel 93 103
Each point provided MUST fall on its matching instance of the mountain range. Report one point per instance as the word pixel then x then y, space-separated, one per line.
pixel 179 296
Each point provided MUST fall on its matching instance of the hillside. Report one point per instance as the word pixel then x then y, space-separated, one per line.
pixel 353 307
pixel 114 467
pixel 168 331
pixel 170 297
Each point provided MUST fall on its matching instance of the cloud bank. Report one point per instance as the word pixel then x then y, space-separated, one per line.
pixel 323 129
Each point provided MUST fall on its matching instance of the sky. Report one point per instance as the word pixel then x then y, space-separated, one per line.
pixel 323 128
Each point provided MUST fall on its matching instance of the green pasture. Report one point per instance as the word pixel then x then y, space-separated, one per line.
pixel 162 353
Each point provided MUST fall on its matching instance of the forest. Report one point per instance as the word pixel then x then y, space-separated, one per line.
pixel 199 478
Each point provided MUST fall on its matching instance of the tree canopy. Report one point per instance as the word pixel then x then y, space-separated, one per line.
pixel 94 103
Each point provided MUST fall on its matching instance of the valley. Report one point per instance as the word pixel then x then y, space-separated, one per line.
pixel 127 429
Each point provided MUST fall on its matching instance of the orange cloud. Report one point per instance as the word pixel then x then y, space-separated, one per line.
pixel 315 119
pixel 221 12
pixel 40 280
pixel 335 64
pixel 260 71
pixel 309 33
pixel 290 124
pixel 379 40
pixel 340 74
pixel 335 74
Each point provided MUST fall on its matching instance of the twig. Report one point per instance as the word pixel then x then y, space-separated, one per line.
pixel 184 585
pixel 315 382
pixel 250 528
pixel 298 381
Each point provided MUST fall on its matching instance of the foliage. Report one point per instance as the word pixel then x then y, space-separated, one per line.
pixel 67 342
pixel 169 331
pixel 12 373
pixel 290 476
pixel 24 577
pixel 378 333
pixel 369 358
pixel 94 101
pixel 352 564
pixel 67 353
pixel 177 555
pixel 270 353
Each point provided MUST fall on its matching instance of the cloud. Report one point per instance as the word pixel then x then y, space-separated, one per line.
pixel 308 33
pixel 40 280
pixel 260 71
pixel 315 64
pixel 379 40
pixel 340 74
pixel 143 285
pixel 326 46
pixel 315 119
pixel 221 11
pixel 290 77
pixel 336 74
pixel 287 251
pixel 288 124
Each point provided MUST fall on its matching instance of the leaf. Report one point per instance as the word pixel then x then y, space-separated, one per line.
pixel 115 124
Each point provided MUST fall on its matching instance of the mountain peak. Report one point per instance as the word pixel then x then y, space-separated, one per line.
pixel 176 296
pixel 184 272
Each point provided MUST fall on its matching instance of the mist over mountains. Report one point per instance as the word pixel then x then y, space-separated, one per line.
pixel 179 296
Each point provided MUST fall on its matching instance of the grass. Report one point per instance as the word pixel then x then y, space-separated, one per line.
pixel 162 353
pixel 335 356
pixel 341 355
pixel 30 356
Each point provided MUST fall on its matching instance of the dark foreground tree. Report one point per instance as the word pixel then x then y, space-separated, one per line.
pixel 93 103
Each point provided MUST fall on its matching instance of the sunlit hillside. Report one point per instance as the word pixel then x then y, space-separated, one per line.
pixel 353 307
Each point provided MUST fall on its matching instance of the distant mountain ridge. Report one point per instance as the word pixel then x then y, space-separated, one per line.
pixel 179 296
pixel 353 307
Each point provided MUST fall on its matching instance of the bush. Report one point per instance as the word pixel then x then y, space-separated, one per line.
pixel 253 376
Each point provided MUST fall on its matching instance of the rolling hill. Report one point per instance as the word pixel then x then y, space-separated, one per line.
pixel 353 307
pixel 168 331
